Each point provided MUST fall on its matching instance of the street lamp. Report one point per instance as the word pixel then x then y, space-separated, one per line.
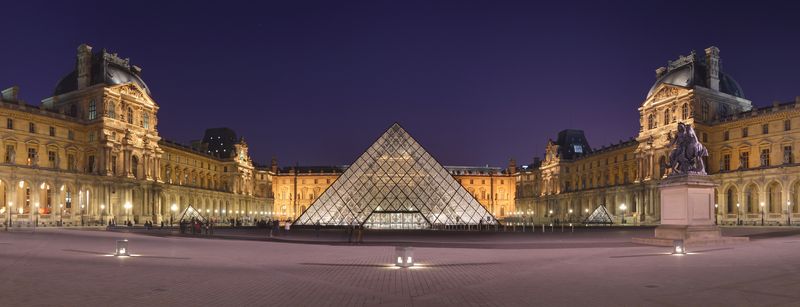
pixel 61 215
pixel 716 213
pixel 623 207
pixel 10 205
pixel 81 215
pixel 788 213
pixel 737 214
pixel 36 214
pixel 570 215
pixel 762 214
pixel 128 207
pixel 172 210
pixel 102 214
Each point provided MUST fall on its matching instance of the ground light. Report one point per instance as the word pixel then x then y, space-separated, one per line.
pixel 404 256
pixel 122 248
pixel 678 248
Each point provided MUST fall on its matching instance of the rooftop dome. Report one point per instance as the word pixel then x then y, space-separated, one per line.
pixel 105 68
pixel 692 70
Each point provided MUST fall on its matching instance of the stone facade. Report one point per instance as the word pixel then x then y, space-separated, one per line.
pixel 751 155
pixel 92 153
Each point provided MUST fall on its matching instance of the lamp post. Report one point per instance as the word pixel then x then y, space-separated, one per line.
pixel 81 215
pixel 716 213
pixel 623 207
pixel 60 215
pixel 737 214
pixel 36 217
pixel 127 211
pixel 10 205
pixel 172 210
pixel 762 214
pixel 570 215
pixel 102 214
pixel 788 213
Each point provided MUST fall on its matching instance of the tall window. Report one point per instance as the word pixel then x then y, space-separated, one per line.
pixel 52 131
pixel 51 158
pixel 114 165
pixel 31 127
pixel 92 110
pixel 726 135
pixel 765 157
pixel 787 125
pixel 666 116
pixel 726 162
pixel 705 110
pixel 90 164
pixel 130 116
pixel 31 156
pixel 9 123
pixel 787 154
pixel 68 200
pixel 765 128
pixel 744 160
pixel 651 121
pixel 745 132
pixel 685 111
pixel 112 110
pixel 146 120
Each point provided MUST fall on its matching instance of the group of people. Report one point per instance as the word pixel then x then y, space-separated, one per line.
pixel 196 226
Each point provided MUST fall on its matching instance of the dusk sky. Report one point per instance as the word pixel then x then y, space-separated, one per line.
pixel 474 82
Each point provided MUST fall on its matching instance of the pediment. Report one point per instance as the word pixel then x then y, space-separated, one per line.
pixel 133 90
pixel 665 91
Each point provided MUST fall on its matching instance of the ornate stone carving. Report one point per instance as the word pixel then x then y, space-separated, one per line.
pixel 131 90
pixel 666 92
pixel 687 152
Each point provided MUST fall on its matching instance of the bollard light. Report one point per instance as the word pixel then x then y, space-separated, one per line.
pixel 122 248
pixel 404 255
pixel 678 247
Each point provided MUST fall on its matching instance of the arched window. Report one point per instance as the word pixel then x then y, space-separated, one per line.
pixel 667 118
pixel 774 195
pixel 92 110
pixel 135 166
pixel 146 120
pixel 130 116
pixel 685 111
pixel 731 200
pixel 651 121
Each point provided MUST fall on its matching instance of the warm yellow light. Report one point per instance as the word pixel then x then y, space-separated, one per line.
pixel 174 207
pixel 21 184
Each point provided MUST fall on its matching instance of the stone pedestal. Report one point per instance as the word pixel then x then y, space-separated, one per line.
pixel 687 213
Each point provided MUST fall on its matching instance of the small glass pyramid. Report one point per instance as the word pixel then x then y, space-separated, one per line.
pixel 396 184
pixel 599 216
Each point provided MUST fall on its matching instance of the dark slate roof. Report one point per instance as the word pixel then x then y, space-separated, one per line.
pixel 106 69
pixel 693 71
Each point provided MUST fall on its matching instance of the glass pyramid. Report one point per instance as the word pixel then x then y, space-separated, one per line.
pixel 599 216
pixel 396 184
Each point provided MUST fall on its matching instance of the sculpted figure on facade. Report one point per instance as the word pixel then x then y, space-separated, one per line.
pixel 687 152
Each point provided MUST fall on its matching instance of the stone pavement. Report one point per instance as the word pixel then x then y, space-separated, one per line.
pixel 72 268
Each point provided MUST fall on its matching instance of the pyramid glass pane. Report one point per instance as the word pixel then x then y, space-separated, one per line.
pixel 395 184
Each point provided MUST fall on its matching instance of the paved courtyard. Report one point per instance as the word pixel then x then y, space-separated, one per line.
pixel 73 268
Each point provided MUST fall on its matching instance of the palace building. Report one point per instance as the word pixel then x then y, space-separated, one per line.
pixel 92 153
pixel 751 154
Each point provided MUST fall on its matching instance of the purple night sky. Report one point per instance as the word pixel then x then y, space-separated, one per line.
pixel 474 82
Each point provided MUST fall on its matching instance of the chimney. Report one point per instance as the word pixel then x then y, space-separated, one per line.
pixel 660 72
pixel 512 166
pixel 84 66
pixel 712 62
pixel 274 165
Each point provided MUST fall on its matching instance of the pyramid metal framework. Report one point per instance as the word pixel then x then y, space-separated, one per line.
pixel 599 216
pixel 396 184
